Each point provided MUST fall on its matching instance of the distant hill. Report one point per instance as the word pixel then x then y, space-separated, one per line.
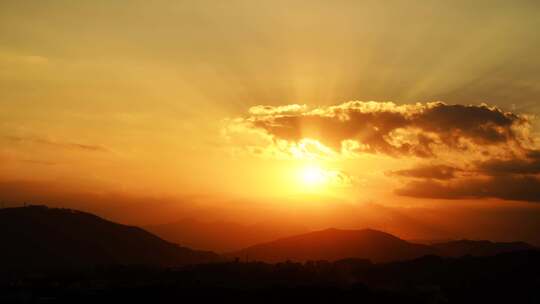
pixel 38 237
pixel 221 236
pixel 335 244
pixel 377 246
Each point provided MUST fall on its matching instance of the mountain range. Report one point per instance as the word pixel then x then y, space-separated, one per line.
pixel 42 238
pixel 335 244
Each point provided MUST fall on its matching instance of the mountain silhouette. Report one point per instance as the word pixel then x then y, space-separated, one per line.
pixel 42 238
pixel 37 237
pixel 222 236
pixel 377 246
pixel 334 244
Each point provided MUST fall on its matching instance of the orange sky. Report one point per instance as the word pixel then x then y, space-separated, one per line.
pixel 147 112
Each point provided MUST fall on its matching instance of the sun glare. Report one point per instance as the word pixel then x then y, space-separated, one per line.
pixel 313 176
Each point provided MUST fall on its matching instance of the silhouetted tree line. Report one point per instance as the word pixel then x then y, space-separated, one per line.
pixel 505 278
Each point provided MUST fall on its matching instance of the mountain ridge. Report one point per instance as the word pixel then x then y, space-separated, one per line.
pixel 335 244
pixel 38 237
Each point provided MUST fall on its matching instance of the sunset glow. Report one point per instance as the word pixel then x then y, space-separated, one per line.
pixel 313 176
pixel 314 112
pixel 345 151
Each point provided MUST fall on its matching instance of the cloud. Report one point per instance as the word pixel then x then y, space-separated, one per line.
pixel 530 164
pixel 57 144
pixel 516 178
pixel 459 151
pixel 518 188
pixel 273 110
pixel 441 172
pixel 337 178
pixel 396 130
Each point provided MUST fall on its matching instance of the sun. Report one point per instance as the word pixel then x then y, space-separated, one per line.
pixel 313 176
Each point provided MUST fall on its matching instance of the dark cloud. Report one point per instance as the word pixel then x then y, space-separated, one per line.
pixel 441 172
pixel 517 188
pixel 397 130
pixel 509 179
pixel 527 165
pixel 483 124
pixel 57 144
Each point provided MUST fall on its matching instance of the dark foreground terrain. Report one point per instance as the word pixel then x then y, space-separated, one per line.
pixel 59 255
pixel 505 278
